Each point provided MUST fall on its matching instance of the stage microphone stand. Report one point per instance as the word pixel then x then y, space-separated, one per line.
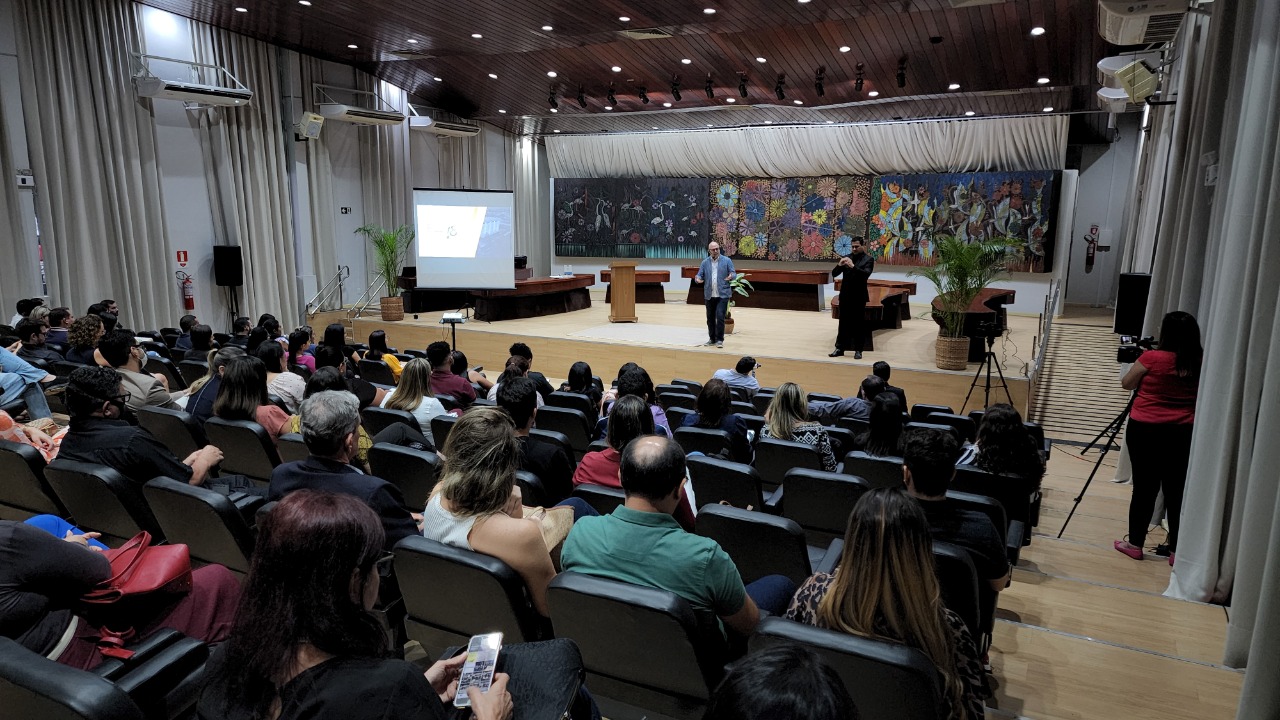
pixel 1112 430
pixel 988 360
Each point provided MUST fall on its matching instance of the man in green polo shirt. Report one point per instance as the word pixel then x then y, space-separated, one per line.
pixel 642 544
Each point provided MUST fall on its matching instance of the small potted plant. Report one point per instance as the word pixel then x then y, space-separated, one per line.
pixel 389 249
pixel 963 270
pixel 739 285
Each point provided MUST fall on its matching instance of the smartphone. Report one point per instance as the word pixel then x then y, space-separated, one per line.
pixel 477 671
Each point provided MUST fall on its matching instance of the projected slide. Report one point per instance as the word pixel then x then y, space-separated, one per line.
pixel 464 239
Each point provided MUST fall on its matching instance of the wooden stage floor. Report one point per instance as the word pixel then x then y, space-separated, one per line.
pixel 789 344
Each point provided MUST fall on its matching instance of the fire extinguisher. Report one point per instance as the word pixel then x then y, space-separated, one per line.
pixel 188 291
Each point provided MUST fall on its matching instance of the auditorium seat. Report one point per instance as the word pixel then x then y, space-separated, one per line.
pixel 853 425
pixel 739 394
pixel 596 445
pixel 23 490
pixel 754 423
pixel 155 336
pixel 193 370
pixel 559 440
pixel 823 397
pixel 169 336
pixel 451 594
pixel 221 338
pixel 676 416
pixel 175 429
pixel 1013 492
pixel 573 424
pixel 958 582
pixel 102 500
pixel 708 441
pixel 301 371
pixel 674 387
pixel 921 411
pixel 532 490
pixel 820 502
pixel 842 440
pixel 1010 535
pixel 962 424
pixel 209 523
pixel 166 367
pixel 678 399
pixel 715 480
pixel 450 402
pixel 877 471
pixel 693 386
pixel 377 419
pixel 640 646
pixel 292 448
pixel 159 348
pixel 414 472
pixel 14 407
pixel 775 457
pixel 759 544
pixel 742 407
pixel 761 403
pixel 887 681
pixel 376 372
pixel 440 427
pixel 940 427
pixel 600 497
pixel 1037 434
pixel 246 448
pixel 575 401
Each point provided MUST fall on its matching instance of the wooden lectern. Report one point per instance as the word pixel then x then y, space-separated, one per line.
pixel 622 307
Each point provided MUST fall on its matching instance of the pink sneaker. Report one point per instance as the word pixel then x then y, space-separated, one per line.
pixel 1130 550
pixel 1171 559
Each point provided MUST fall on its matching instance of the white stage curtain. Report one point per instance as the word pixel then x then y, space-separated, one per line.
pixel 384 154
pixel 247 164
pixel 93 152
pixel 19 273
pixel 1027 143
pixel 319 181
pixel 464 162
pixel 532 223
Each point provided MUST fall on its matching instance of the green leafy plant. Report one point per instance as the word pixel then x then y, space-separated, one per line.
pixel 739 285
pixel 389 249
pixel 963 270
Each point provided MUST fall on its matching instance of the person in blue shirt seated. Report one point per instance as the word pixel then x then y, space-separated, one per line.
pixel 185 323
pixel 742 375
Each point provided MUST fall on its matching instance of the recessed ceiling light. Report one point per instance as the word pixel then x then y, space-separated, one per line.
pixel 709 11
pixel 624 18
pixel 760 59
pixel 666 104
pixel 731 100
pixel 240 9
pixel 615 68
pixel 953 86
pixel 608 107
pixel 413 42
pixel 655 127
pixel 437 79
pixel 686 61
pixel 495 77
pixel 1048 109
pixel 551 73
pixel 708 124
pixel 798 102
pixel 555 131
pixel 1037 31
pixel 873 93
pixel 802 2
pixel 304 2
pixel 477 35
pixel 831 122
pixel 353 47
pixel 1043 81
pixel 546 28
pixel 504 112
pixel 845 48
pixel 969 113
pixel 768 122
pixel 554 110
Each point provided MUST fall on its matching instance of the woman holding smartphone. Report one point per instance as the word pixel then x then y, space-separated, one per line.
pixel 305 643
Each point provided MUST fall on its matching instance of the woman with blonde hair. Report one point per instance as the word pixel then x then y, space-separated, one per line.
pixel 885 588
pixel 476 505
pixel 413 394
pixel 787 418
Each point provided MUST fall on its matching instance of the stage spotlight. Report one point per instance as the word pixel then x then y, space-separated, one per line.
pixel 611 98
pixel 675 88
pixel 582 98
pixel 644 96
pixel 858 78
pixel 902 73
pixel 778 89
pixel 818 76
pixel 709 88
pixel 742 84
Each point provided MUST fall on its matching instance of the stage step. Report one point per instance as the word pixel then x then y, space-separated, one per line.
pixel 1079 391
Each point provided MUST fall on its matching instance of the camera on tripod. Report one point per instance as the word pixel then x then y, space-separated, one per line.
pixel 990 330
pixel 1132 347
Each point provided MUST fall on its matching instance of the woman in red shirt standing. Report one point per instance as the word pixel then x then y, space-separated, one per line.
pixel 1160 424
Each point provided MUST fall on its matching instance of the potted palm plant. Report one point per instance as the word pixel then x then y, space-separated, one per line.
pixel 389 249
pixel 739 285
pixel 963 270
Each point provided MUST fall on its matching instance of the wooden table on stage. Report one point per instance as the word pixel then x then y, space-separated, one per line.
pixel 648 285
pixel 776 289
pixel 887 303
pixel 534 298
pixel 987 307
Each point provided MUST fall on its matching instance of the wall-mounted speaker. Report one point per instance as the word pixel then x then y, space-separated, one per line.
pixel 1131 303
pixel 228 270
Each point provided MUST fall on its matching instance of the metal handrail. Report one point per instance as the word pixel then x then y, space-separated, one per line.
pixel 326 293
pixel 366 299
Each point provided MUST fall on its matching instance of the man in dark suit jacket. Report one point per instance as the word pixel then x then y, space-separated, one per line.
pixel 330 427
pixel 856 267
pixel 546 460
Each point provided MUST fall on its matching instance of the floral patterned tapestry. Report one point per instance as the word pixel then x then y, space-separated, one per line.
pixel 662 218
pixel 792 219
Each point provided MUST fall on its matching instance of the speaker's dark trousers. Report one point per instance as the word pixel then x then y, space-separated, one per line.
pixel 716 308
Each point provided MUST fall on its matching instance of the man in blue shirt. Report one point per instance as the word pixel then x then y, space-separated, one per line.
pixel 714 275
pixel 742 375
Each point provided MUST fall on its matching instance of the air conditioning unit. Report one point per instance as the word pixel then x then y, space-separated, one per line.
pixel 1140 22
pixel 447 129
pixel 1138 81
pixel 359 115
pixel 154 87
pixel 1113 100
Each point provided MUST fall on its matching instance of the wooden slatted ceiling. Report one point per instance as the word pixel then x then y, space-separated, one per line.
pixel 986 49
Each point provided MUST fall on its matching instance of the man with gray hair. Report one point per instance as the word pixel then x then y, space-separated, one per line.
pixel 330 428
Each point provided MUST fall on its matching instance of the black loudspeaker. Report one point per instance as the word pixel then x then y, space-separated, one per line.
pixel 1131 303
pixel 228 271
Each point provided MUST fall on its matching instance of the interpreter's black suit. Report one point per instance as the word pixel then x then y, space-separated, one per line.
pixel 852 334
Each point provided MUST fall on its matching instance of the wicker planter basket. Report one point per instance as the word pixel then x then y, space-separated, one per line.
pixel 952 353
pixel 728 325
pixel 392 309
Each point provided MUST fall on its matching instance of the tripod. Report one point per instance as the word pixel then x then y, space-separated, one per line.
pixel 1113 429
pixel 988 360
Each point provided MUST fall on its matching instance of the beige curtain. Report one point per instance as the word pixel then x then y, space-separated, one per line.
pixel 384 154
pixel 247 165
pixel 532 223
pixel 464 162
pixel 93 152
pixel 20 272
pixel 1034 143
pixel 319 180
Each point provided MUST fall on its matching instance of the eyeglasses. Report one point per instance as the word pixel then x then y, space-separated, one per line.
pixel 122 398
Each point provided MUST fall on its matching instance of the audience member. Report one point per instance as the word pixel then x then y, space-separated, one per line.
pixel 43 578
pixel 929 463
pixel 517 367
pixel 787 418
pixel 883 437
pixel 264 318
pixel 120 351
pixel 326 379
pixel 544 387
pixel 274 330
pixel 443 381
pixel 713 413
pixel 635 381
pixel 299 350
pixel 110 306
pixel 33 434
pixel 60 320
pixel 642 544
pixel 240 332
pixel 243 396
pixel 547 460
pixel 784 682
pixel 1004 445
pixel 885 588
pixel 413 394
pixel 185 323
pixel 476 504
pixel 305 643
pixel 335 336
pixel 368 394
pixel 202 339
pixel 287 385
pixel 39 314
pixel 582 382
pixel 24 308
pixel 97 309
pixel 742 375
pixel 203 392
pixel 20 379
pixel 257 336
pixel 109 321
pixel 378 350
pixel 612 393
pixel 463 370
pixel 882 370
pixel 33 335
pixel 83 339
pixel 858 408
pixel 330 423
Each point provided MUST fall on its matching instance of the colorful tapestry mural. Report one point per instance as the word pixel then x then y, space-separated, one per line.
pixel 910 210
pixel 664 218
pixel 795 219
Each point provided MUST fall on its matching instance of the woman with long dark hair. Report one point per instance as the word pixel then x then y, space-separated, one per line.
pixel 305 643
pixel 713 413
pixel 1006 446
pixel 335 336
pixel 1165 382
pixel 883 436
pixel 202 340
pixel 517 366
pixel 462 369
pixel 243 396
pixel 289 386
pixel 378 350
pixel 299 342
pixel 886 588
pixel 581 382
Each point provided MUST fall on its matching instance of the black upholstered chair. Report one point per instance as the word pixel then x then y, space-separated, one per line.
pixel 822 397
pixel 102 500
pixel 246 448
pixel 877 471
pixel 377 372
pixel 440 427
pixel 958 581
pixel 739 394
pixel 820 502
pixel 601 497
pixel 962 424
pixel 210 524
pixel 575 425
pixel 759 544
pixel 640 646
pixel 692 387
pixel 292 448
pixel 842 440
pixel 377 419
pixel 715 480
pixel 676 416
pixel 887 681
pixel 450 402
pixel 853 425
pixel 742 407
pixel 169 369
pixel 559 440
pixel 1012 532
pixel 595 446
pixel 193 370
pixel 675 388
pixel 23 490
pixel 755 423
pixel 414 472
pixel 175 429
pixel 161 349
pixel 451 594
pixel 678 399
pixel 1037 434
pixel 940 427
pixel 708 441
pixel 575 401
pixel 775 457
pixel 532 490
pixel 921 411
pixel 761 403
pixel 1014 493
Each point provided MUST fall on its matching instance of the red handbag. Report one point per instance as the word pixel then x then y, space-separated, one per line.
pixel 140 568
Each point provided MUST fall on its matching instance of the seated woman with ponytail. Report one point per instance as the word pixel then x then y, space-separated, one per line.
pixel 517 366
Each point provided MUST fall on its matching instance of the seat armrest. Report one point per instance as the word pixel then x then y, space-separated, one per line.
pixel 1017 538
pixel 145 649
pixel 773 501
pixel 164 671
pixel 832 557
